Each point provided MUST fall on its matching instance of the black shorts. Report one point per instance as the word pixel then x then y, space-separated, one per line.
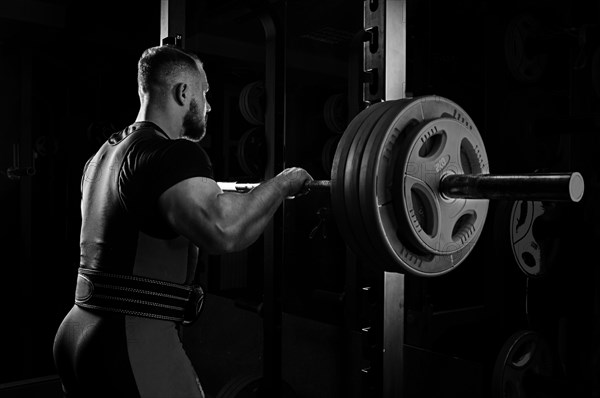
pixel 115 355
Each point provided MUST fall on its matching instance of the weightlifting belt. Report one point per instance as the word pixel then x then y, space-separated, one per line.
pixel 138 296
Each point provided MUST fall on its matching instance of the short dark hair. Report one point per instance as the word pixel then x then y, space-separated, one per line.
pixel 158 64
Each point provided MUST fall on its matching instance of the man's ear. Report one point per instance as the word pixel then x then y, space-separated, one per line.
pixel 181 92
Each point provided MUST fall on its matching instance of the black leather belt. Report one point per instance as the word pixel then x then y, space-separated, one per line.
pixel 138 296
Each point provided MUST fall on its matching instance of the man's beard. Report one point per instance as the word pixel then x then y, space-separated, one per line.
pixel 194 126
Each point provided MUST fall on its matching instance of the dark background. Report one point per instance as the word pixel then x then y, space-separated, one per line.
pixel 68 78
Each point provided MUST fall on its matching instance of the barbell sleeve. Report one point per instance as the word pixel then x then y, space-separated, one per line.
pixel 549 186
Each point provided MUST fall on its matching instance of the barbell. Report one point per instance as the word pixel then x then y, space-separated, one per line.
pixel 410 185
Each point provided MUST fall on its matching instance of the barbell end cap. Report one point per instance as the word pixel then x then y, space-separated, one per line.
pixel 576 187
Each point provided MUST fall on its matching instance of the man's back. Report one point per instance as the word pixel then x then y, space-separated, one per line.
pixel 121 337
pixel 122 230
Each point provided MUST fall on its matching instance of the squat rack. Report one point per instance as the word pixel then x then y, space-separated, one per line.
pixel 381 77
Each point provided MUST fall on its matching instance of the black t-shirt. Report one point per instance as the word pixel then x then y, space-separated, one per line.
pixel 153 164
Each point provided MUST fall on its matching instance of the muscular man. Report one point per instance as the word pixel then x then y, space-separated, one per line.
pixel 149 202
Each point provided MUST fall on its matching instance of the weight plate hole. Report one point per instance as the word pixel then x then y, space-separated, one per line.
pixel 528 259
pixel 468 158
pixel 433 144
pixel 463 228
pixel 423 210
pixel 523 354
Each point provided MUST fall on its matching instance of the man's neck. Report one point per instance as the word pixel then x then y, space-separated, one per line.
pixel 159 118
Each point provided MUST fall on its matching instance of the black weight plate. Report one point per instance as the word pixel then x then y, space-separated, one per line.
pixel 338 170
pixel 335 113
pixel 365 182
pixel 328 152
pixel 252 103
pixel 256 103
pixel 534 248
pixel 243 100
pixel 357 157
pixel 525 64
pixel 252 152
pixel 408 110
pixel 524 354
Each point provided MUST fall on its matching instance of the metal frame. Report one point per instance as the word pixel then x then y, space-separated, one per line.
pixel 172 21
pixel 384 72
pixel 273 23
pixel 26 196
pixel 384 53
pixel 384 77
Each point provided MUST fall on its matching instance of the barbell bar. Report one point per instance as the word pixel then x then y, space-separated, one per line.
pixel 533 186
pixel 320 185
pixel 410 185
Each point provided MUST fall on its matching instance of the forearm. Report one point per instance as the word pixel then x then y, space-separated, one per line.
pixel 245 216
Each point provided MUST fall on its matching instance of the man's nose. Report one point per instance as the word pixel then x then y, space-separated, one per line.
pixel 208 108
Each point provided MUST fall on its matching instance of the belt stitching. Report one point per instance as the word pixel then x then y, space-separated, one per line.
pixel 102 296
pixel 129 289
pixel 130 312
pixel 134 278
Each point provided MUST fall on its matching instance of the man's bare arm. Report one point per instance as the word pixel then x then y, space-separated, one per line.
pixel 221 222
